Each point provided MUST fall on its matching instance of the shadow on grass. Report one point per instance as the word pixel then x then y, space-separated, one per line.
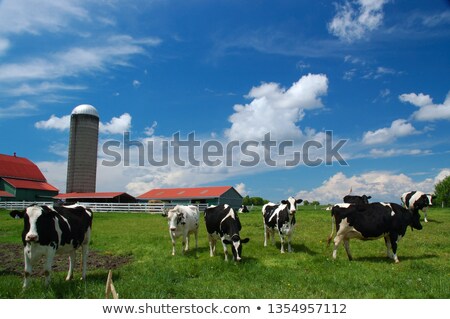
pixel 386 259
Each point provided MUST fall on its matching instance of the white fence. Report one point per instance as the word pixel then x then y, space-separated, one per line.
pixel 153 208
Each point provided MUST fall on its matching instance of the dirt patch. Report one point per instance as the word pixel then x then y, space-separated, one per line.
pixel 11 260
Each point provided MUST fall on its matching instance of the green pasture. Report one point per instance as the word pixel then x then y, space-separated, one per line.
pixel 308 272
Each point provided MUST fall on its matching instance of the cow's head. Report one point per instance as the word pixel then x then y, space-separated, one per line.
pixel 423 202
pixel 175 218
pixel 236 246
pixel 291 203
pixel 35 218
pixel 366 199
pixel 415 220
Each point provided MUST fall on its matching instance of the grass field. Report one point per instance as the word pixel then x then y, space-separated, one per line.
pixel 308 272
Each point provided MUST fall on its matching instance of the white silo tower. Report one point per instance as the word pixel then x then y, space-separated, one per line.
pixel 83 141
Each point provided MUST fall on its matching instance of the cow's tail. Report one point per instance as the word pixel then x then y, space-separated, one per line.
pixel 333 223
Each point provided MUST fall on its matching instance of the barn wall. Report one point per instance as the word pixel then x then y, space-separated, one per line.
pixel 232 198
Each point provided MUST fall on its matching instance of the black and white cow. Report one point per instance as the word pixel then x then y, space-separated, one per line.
pixel 353 199
pixel 416 200
pixel 51 230
pixel 243 209
pixel 372 221
pixel 280 217
pixel 222 222
pixel 183 221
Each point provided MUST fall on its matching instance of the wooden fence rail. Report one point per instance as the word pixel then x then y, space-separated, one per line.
pixel 153 208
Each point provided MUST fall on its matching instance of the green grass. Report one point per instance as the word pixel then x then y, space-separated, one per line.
pixel 308 272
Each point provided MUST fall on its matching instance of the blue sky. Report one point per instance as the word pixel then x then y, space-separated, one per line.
pixel 374 72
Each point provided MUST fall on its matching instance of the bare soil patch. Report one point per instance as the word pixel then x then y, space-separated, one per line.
pixel 11 260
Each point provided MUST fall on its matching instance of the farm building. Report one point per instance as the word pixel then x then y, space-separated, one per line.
pixel 213 195
pixel 98 197
pixel 22 180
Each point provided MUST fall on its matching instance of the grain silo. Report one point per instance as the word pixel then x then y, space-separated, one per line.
pixel 83 141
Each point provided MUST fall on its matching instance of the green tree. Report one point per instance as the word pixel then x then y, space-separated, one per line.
pixel 315 203
pixel 246 201
pixel 442 192
pixel 306 202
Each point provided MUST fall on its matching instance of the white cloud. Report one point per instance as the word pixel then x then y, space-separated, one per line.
pixel 416 99
pixel 354 19
pixel 277 110
pixel 428 111
pixel 20 109
pixel 114 51
pixel 377 153
pixel 54 122
pixel 381 185
pixel 149 131
pixel 136 83
pixel 117 125
pixel 398 128
pixel 44 87
pixel 4 45
pixel 241 189
pixel 35 16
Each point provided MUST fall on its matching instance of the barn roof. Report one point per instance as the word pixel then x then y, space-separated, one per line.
pixel 102 195
pixel 5 194
pixel 185 193
pixel 28 184
pixel 20 168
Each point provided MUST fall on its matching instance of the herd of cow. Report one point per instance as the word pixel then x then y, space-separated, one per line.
pixel 63 229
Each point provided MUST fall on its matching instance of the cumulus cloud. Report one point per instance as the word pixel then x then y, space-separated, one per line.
pixel 381 185
pixel 241 189
pixel 354 19
pixel 276 109
pixel 398 128
pixel 117 125
pixel 4 45
pixel 428 111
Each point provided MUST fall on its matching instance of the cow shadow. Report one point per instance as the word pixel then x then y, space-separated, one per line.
pixel 301 248
pixel 385 259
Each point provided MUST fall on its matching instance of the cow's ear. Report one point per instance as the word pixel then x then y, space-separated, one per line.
pixel 298 201
pixel 17 214
pixel 226 242
pixel 284 201
pixel 245 240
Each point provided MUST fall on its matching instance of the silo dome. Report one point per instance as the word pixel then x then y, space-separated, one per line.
pixel 85 109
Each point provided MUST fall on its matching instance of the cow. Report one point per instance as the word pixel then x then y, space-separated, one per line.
pixel 372 221
pixel 222 222
pixel 280 217
pixel 183 221
pixel 54 230
pixel 353 199
pixel 416 200
pixel 243 209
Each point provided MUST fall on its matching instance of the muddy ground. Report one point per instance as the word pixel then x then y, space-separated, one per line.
pixel 11 261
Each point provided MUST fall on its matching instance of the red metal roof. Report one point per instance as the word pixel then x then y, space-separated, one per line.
pixel 27 184
pixel 91 195
pixel 185 193
pixel 20 167
pixel 5 194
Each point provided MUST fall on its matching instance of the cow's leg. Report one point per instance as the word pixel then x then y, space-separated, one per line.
pixel 225 250
pixel 50 255
pixel 172 239
pixel 266 233
pixel 84 255
pixel 212 245
pixel 72 257
pixel 282 243
pixel 28 265
pixel 425 214
pixel 186 242
pixel 272 233
pixel 289 238
pixel 393 239
pixel 347 248
pixel 337 241
pixel 387 241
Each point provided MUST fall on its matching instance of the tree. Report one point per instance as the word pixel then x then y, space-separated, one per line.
pixel 442 193
pixel 306 202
